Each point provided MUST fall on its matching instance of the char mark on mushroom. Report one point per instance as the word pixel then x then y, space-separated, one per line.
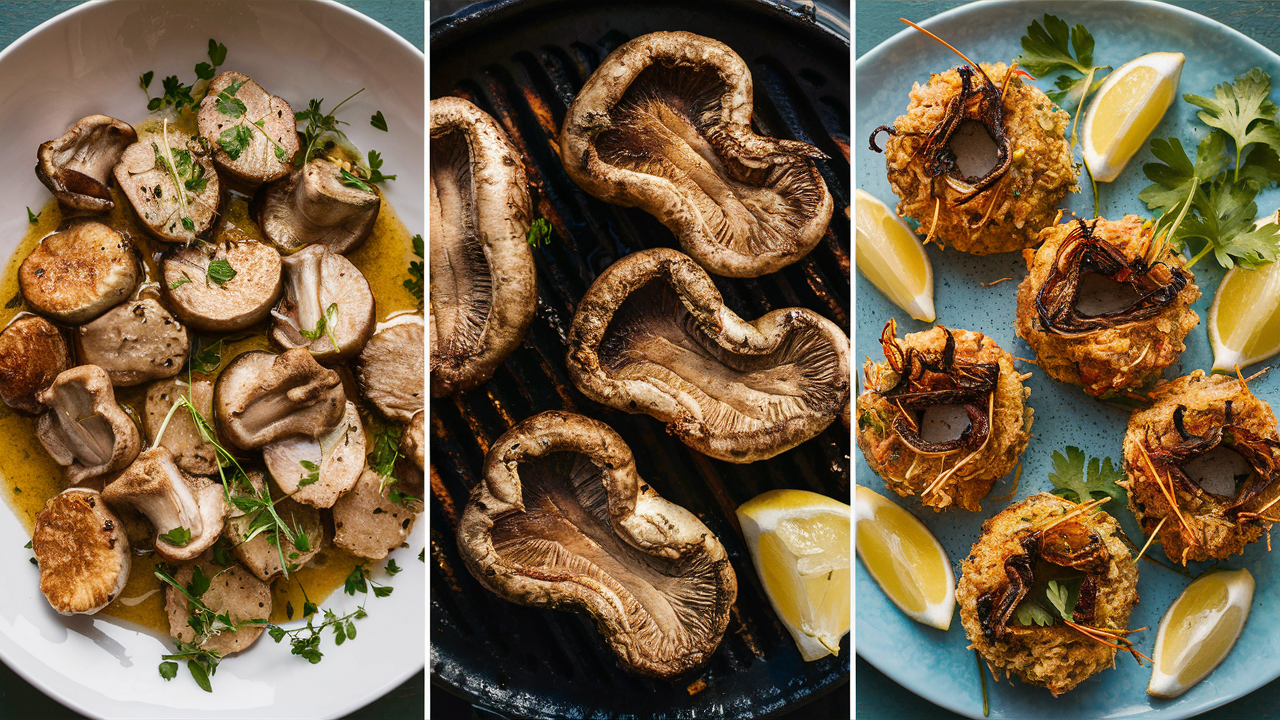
pixel 76 166
pixel 1081 252
pixel 927 380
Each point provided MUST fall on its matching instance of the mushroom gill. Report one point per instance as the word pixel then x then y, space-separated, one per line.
pixel 653 336
pixel 665 125
pixel 563 520
pixel 483 285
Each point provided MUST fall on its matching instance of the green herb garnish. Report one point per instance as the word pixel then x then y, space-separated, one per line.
pixel 178 537
pixel 414 283
pixel 378 121
pixel 32 218
pixel 220 272
pixel 539 233
pixel 1070 481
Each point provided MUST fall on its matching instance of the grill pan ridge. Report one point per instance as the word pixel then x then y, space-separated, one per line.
pixel 523 61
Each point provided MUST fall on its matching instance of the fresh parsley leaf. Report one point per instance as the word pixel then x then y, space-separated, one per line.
pixel 392 568
pixel 179 282
pixel 1063 594
pixel 382 590
pixel 355 581
pixel 1049 48
pixel 200 674
pixel 144 81
pixel 206 360
pixel 352 181
pixel 234 140
pixel 178 537
pixel 1070 481
pixel 415 282
pixel 319 125
pixel 1242 110
pixel 229 105
pixel 189 224
pixel 29 544
pixel 220 271
pixel 200 582
pixel 32 218
pixel 1031 613
pixel 378 121
pixel 539 233
pixel 222 555
pixel 217 52
pixel 375 169
pixel 168 670
pixel 311 476
pixel 422 555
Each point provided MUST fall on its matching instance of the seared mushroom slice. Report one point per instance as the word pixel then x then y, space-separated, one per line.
pixel 484 289
pixel 261 398
pixel 233 591
pixel 82 552
pixel 149 173
pixel 327 298
pixel 229 118
pixel 262 554
pixel 75 275
pixel 84 429
pixel 223 287
pixel 367 524
pixel 32 354
pixel 562 520
pixel 664 124
pixel 77 165
pixel 390 372
pixel 653 336
pixel 312 206
pixel 134 343
pixel 413 444
pixel 181 436
pixel 333 461
pixel 186 510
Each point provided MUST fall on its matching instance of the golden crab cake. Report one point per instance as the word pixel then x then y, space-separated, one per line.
pixel 980 159
pixel 1041 539
pixel 1104 306
pixel 1204 458
pixel 932 384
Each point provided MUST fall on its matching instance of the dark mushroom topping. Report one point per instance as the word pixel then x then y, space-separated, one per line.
pixel 484 289
pixel 223 287
pixel 150 173
pixel 313 207
pixel 261 398
pixel 562 520
pixel 664 124
pixel 84 430
pixel 135 342
pixel 1157 284
pixel 253 134
pixel 654 336
pixel 32 354
pixel 76 166
pixel 82 551
pixel 327 306
pixel 76 274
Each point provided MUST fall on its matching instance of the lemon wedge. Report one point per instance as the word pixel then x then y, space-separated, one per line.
pixel 905 559
pixel 1126 109
pixel 1244 319
pixel 892 257
pixel 1199 630
pixel 799 542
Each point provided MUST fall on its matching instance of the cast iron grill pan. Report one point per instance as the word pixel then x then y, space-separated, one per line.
pixel 523 62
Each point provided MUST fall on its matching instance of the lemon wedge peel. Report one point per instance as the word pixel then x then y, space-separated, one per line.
pixel 1126 109
pixel 892 258
pixel 916 574
pixel 1199 643
pixel 799 543
pixel 1244 319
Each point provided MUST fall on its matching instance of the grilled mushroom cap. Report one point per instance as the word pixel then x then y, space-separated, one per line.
pixel 82 552
pixel 323 286
pixel 76 166
pixel 261 398
pixel 334 462
pixel 171 499
pixel 144 175
pixel 413 444
pixel 249 153
pixel 390 370
pixel 204 303
pixel 32 354
pixel 84 429
pixel 664 124
pixel 312 206
pixel 260 554
pixel 181 437
pixel 484 288
pixel 76 274
pixel 134 343
pixel 367 524
pixel 234 591
pixel 562 520
pixel 653 336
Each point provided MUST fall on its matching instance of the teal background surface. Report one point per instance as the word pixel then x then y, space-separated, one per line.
pixel 876 695
pixel 20 701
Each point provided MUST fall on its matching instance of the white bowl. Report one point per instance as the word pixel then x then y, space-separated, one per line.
pixel 86 61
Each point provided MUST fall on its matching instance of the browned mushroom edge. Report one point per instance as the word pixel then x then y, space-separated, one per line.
pixel 652 335
pixel 76 166
pixel 562 520
pixel 484 288
pixel 664 124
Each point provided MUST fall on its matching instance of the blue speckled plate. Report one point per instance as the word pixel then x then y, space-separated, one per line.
pixel 937 665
